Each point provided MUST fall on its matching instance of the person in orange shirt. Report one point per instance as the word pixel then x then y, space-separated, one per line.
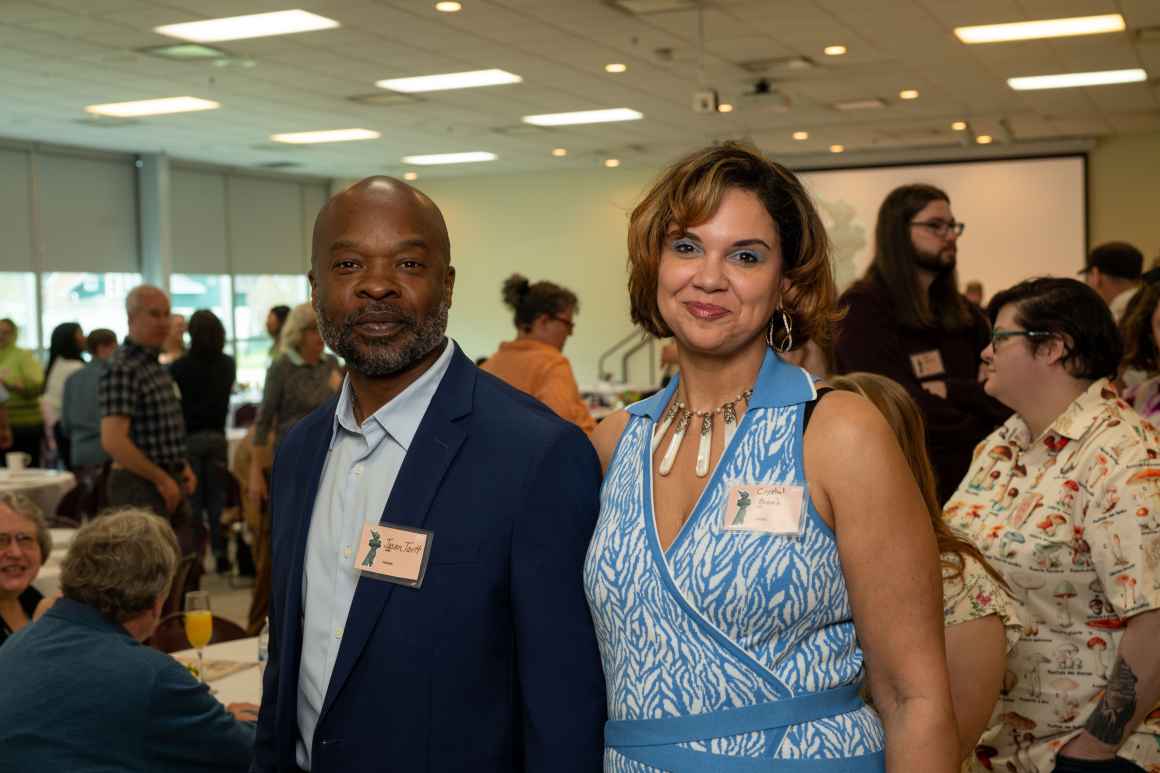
pixel 534 362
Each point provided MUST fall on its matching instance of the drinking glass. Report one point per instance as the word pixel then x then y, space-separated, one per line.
pixel 198 625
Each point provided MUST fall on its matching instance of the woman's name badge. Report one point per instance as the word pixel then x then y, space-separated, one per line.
pixel 393 553
pixel 768 508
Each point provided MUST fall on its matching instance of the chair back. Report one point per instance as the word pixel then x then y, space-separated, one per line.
pixel 183 580
pixel 170 634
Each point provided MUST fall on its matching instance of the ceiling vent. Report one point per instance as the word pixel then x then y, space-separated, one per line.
pixel 385 99
pixel 859 104
pixel 650 7
pixel 779 66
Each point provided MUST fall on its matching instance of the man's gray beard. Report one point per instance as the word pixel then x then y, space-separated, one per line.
pixel 418 338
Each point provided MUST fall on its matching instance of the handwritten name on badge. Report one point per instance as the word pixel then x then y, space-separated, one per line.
pixel 393 553
pixel 927 364
pixel 769 508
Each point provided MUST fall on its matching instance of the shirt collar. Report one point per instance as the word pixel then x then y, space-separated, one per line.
pixel 78 612
pixel 778 384
pixel 401 416
pixel 1075 420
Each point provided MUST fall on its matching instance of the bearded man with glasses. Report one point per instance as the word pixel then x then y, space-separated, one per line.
pixel 906 319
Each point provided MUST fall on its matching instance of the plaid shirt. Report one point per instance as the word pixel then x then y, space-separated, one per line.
pixel 136 385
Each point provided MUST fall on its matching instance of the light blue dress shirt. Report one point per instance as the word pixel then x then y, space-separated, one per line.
pixel 358 475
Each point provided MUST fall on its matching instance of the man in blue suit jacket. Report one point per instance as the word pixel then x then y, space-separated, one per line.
pixel 487 662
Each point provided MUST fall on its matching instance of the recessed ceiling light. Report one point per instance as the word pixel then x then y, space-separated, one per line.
pixel 1073 79
pixel 615 67
pixel 330 135
pixel 450 80
pixel 801 136
pixel 908 94
pixel 559 152
pixel 837 148
pixel 724 107
pixel 409 176
pixel 153 107
pixel 834 50
pixel 1044 28
pixel 860 104
pixel 984 139
pixel 448 6
pixel 450 158
pixel 583 116
pixel 959 126
pixel 612 163
pixel 257 25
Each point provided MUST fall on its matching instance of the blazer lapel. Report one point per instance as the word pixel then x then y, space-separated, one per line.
pixel 432 451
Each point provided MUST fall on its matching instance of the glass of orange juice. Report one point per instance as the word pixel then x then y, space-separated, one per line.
pixel 198 625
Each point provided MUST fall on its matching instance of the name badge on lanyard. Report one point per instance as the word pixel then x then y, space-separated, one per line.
pixel 765 508
pixel 393 553
pixel 927 364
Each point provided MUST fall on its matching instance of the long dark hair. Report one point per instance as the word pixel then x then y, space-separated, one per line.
pixel 1140 351
pixel 895 268
pixel 63 344
pixel 530 301
pixel 207 335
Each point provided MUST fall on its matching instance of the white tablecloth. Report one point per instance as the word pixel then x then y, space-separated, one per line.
pixel 44 487
pixel 242 687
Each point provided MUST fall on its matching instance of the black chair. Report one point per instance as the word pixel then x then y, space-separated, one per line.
pixel 170 634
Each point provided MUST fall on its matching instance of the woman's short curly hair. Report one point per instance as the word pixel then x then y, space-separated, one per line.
pixel 120 563
pixel 26 508
pixel 690 192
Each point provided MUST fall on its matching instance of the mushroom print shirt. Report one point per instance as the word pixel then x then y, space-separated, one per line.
pixel 1072 521
pixel 972 594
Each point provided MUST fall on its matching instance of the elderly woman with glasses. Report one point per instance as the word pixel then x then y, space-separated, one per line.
pixel 25 543
pixel 1063 500
pixel 535 363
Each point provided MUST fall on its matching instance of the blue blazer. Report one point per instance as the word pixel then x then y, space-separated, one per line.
pixel 492 665
pixel 79 694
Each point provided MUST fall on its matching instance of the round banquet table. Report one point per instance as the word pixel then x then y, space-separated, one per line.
pixel 44 487
pixel 244 686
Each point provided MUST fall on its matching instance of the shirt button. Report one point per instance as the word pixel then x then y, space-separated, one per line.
pixel 346 552
pixel 357 470
pixel 338 633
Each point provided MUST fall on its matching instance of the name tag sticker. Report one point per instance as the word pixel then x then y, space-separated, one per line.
pixel 393 553
pixel 765 508
pixel 927 364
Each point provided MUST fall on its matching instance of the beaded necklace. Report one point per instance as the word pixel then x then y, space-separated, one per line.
pixel 684 416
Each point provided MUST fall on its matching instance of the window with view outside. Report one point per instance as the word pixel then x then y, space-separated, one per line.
pixel 191 292
pixel 18 289
pixel 93 300
pixel 254 296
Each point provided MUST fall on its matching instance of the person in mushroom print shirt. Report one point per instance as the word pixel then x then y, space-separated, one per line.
pixel 1061 500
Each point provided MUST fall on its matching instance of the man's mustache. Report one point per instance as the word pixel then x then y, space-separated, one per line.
pixel 381 312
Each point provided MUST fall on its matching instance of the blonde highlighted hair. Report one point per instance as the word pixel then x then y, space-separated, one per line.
pixel 904 417
pixel 300 319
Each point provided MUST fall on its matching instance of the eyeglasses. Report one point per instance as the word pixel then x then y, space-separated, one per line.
pixel 1003 335
pixel 571 325
pixel 23 541
pixel 941 227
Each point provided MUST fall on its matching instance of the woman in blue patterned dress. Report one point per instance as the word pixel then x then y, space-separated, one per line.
pixel 745 571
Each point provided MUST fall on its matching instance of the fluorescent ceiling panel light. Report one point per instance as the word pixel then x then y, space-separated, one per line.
pixel 908 94
pixel 984 139
pixel 1044 28
pixel 450 80
pixel 448 6
pixel 834 50
pixel 559 152
pixel 331 135
pixel 153 107
pixel 860 104
pixel 724 107
pixel 615 67
pixel 612 163
pixel 256 25
pixel 1074 79
pixel 584 116
pixel 837 148
pixel 959 126
pixel 450 158
pixel 799 136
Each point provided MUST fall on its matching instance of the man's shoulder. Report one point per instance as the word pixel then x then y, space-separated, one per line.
pixel 865 291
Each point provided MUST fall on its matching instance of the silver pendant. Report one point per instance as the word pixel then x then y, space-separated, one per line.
pixel 663 427
pixel 704 447
pixel 675 444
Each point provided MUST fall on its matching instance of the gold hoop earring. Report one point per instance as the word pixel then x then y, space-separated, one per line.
pixel 787 326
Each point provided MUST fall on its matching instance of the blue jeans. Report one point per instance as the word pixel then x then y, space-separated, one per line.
pixel 208 457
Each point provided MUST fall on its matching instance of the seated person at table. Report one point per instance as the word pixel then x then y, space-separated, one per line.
pixel 534 362
pixel 25 543
pixel 82 694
